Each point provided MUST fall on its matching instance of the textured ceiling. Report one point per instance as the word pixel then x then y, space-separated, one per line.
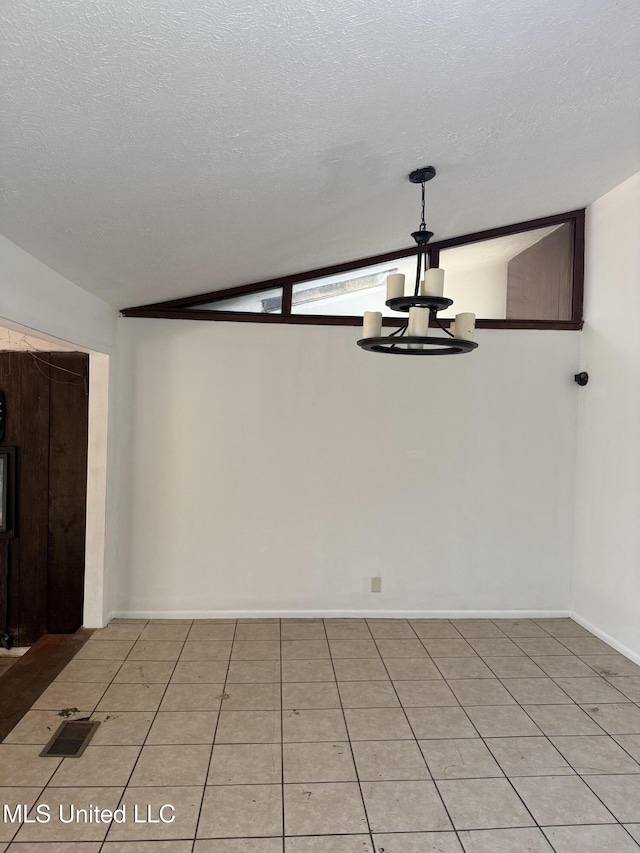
pixel 159 148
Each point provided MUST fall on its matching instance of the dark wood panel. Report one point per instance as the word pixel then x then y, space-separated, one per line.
pixel 11 384
pixel 33 491
pixel 68 422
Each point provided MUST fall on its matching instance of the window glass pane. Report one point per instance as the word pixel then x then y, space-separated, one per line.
pixel 524 276
pixel 352 293
pixel 261 302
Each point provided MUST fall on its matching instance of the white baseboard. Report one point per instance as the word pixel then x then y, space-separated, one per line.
pixel 339 614
pixel 607 638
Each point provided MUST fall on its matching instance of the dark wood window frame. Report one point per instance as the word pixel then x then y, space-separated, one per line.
pixel 186 308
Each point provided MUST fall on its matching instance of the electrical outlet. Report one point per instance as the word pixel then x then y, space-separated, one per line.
pixel 376 584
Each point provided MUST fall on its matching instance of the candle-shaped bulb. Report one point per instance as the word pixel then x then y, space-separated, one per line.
pixel 433 283
pixel 395 285
pixel 418 325
pixel 465 326
pixel 452 328
pixel 372 324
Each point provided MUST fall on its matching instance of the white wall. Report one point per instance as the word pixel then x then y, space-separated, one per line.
pixel 278 468
pixel 606 586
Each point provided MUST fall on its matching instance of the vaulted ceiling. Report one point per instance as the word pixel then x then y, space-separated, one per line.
pixel 160 148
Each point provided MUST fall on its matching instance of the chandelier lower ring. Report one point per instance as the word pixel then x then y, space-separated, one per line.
pixel 430 345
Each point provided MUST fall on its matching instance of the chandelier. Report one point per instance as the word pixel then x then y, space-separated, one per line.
pixel 413 337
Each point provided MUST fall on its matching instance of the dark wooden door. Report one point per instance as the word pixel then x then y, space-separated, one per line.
pixel 47 422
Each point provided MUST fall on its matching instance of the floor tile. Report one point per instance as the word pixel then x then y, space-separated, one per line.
pixel 263 631
pixel 302 631
pixel 630 743
pixel 391 629
pixel 481 691
pixel 541 646
pixel 305 650
pixel 67 694
pixel 37 727
pixel 21 765
pixel 164 632
pixel 206 650
pixel 593 755
pixel 505 841
pixel 121 728
pixel 452 668
pixel 318 762
pixel 307 726
pixel 448 723
pixel 528 756
pixel 199 672
pixel 246 764
pixel 313 809
pixel 144 672
pixel 459 759
pixel 347 630
pixel 627 685
pixel 12 797
pixel 368 694
pixel 328 844
pixel 251 697
pixel 389 760
pixel 96 767
pixel 353 649
pixel 418 842
pixel 192 697
pixel 55 830
pixel 175 727
pixel 634 830
pixel 256 650
pixel 502 721
pixel 616 719
pixel 143 847
pixel 401 648
pixel 377 724
pixel 439 629
pixel 496 648
pixel 563 628
pixel 89 670
pixel 592 690
pixel 562 720
pixel 404 807
pixel 564 666
pixel 408 669
pixel 590 839
pixel 101 650
pixel 253 672
pixel 483 804
pixel 586 646
pixel 206 632
pixel 477 628
pixel 132 697
pixel 620 794
pixel 612 666
pixel 425 694
pixel 310 695
pixel 519 628
pixel 248 727
pixel 449 648
pixel 557 800
pixel 150 650
pixel 537 691
pixel 171 765
pixel 185 800
pixel 124 631
pixel 306 671
pixel 514 667
pixel 54 847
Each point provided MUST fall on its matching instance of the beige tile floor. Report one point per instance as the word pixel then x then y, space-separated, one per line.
pixel 338 736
